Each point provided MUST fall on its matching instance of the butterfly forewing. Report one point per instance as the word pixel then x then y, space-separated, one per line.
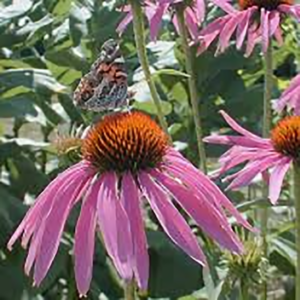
pixel 105 86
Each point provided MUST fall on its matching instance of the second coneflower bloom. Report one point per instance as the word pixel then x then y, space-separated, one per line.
pixel 270 157
pixel 290 98
pixel 254 21
pixel 126 161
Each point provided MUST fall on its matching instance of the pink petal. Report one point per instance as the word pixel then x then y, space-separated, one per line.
pixel 233 140
pixel 202 211
pixel 130 200
pixel 197 181
pixel 253 38
pixel 209 33
pixel 191 22
pixel 44 199
pixel 85 239
pixel 235 126
pixel 243 26
pixel 170 219
pixel 276 179
pixel 274 22
pixel 200 10
pixel 226 6
pixel 264 20
pixel 124 23
pixel 115 226
pixel 156 20
pixel 54 225
pixel 247 174
pixel 227 32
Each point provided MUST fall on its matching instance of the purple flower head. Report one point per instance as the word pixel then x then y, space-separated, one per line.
pixel 290 98
pixel 254 21
pixel 260 155
pixel 127 161
pixel 155 10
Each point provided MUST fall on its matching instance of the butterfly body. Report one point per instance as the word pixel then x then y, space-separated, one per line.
pixel 105 86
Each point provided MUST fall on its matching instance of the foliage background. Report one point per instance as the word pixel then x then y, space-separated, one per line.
pixel 45 48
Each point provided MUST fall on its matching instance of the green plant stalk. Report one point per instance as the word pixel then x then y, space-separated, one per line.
pixel 192 85
pixel 139 34
pixel 267 122
pixel 129 293
pixel 244 289
pixel 296 182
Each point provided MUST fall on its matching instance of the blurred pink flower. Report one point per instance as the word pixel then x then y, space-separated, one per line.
pixel 126 160
pixel 155 10
pixel 260 155
pixel 290 97
pixel 255 20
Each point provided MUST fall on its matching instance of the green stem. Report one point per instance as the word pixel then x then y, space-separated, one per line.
pixel 267 122
pixel 192 85
pixel 244 290
pixel 139 34
pixel 296 181
pixel 129 291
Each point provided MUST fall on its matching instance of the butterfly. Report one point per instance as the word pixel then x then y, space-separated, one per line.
pixel 104 87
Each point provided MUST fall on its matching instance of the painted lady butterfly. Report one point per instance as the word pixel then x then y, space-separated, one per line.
pixel 105 86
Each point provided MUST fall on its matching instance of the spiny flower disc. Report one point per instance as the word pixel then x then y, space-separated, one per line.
pixel 267 4
pixel 286 136
pixel 122 142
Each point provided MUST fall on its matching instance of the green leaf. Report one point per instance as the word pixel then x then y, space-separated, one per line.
pixel 37 80
pixel 78 26
pixel 16 107
pixel 17 9
pixel 172 273
pixel 170 72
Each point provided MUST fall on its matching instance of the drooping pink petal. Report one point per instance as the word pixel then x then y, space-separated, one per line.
pixel 191 22
pixel 233 140
pixel 85 239
pixel 243 26
pixel 36 226
pixel 45 198
pixel 226 33
pixel 190 176
pixel 200 10
pixel 254 36
pixel 226 6
pixel 130 199
pixel 276 178
pixel 124 23
pixel 170 219
pixel 115 226
pixel 209 33
pixel 264 21
pixel 54 225
pixel 156 20
pixel 247 174
pixel 238 128
pixel 203 212
pixel 290 97
pixel 274 22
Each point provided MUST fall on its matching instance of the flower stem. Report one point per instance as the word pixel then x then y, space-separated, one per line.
pixel 244 289
pixel 129 293
pixel 139 34
pixel 296 181
pixel 192 85
pixel 267 122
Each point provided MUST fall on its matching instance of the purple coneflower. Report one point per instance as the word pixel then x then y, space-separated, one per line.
pixel 126 160
pixel 261 155
pixel 155 10
pixel 254 20
pixel 290 98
